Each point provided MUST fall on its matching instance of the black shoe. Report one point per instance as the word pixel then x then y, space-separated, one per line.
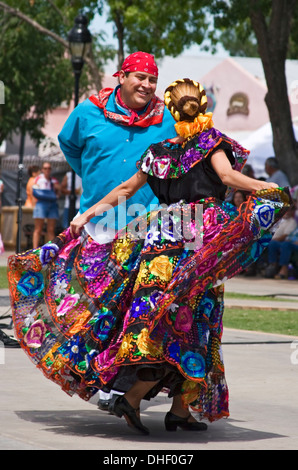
pixel 172 422
pixel 103 405
pixel 112 402
pixel 271 271
pixel 7 341
pixel 122 407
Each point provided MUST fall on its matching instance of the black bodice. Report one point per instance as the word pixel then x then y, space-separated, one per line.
pixel 199 182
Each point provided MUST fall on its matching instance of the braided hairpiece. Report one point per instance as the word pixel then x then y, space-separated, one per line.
pixel 185 99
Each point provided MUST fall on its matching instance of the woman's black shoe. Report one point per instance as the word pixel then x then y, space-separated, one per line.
pixel 103 405
pixel 172 422
pixel 122 407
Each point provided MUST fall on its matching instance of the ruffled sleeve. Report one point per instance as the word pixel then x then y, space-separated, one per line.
pixel 167 160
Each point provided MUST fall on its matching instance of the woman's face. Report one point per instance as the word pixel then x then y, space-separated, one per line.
pixel 46 169
pixel 238 199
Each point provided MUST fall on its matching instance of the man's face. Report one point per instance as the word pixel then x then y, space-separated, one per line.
pixel 137 88
pixel 268 169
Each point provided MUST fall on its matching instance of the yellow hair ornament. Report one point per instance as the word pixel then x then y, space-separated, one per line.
pixel 177 115
pixel 201 123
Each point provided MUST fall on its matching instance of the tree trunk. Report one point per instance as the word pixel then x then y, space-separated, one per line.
pixel 118 20
pixel 273 42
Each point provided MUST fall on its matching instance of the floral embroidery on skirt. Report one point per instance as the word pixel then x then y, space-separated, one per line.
pixel 147 304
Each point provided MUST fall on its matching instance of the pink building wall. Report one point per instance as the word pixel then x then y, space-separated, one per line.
pixel 56 119
pixel 228 79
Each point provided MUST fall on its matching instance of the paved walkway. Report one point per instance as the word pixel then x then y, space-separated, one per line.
pixel 261 370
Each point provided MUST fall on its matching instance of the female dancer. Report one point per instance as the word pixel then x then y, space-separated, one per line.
pixel 143 313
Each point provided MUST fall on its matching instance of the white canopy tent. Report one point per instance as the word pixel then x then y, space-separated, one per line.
pixel 261 147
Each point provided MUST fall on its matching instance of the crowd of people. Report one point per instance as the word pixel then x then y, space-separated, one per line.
pixel 280 260
pixel 134 305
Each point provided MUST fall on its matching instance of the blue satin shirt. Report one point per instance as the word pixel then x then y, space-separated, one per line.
pixel 104 154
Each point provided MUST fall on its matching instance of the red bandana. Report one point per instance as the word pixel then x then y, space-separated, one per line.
pixel 139 62
pixel 152 115
pixel 133 114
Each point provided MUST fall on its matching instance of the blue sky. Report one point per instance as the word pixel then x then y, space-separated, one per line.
pixel 100 23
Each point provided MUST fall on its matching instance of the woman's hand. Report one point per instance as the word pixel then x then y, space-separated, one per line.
pixel 127 189
pixel 270 185
pixel 77 224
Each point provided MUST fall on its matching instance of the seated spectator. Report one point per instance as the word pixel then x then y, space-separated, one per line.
pixel 248 171
pixel 286 226
pixel 294 195
pixel 238 197
pixel 283 244
pixel 275 174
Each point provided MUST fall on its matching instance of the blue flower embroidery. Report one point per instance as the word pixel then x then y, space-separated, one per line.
pixel 31 283
pixel 103 326
pixel 48 252
pixel 193 364
pixel 174 351
pixel 206 306
pixel 139 307
pixel 265 215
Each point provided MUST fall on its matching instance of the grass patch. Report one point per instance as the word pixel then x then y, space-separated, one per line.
pixel 3 277
pixel 232 295
pixel 283 322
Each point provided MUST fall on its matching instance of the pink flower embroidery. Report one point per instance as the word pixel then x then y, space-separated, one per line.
pixel 64 253
pixel 36 334
pixel 211 225
pixel 183 320
pixel 206 265
pixel 161 167
pixel 67 303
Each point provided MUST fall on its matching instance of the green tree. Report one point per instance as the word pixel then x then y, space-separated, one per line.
pixel 159 27
pixel 34 61
pixel 273 23
pixel 31 67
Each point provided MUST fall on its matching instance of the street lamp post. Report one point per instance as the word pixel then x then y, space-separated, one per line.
pixel 79 43
pixel 19 189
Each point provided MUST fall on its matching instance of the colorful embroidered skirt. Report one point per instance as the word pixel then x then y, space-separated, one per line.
pixel 148 305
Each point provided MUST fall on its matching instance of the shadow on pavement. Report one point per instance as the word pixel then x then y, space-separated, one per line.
pixel 84 423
